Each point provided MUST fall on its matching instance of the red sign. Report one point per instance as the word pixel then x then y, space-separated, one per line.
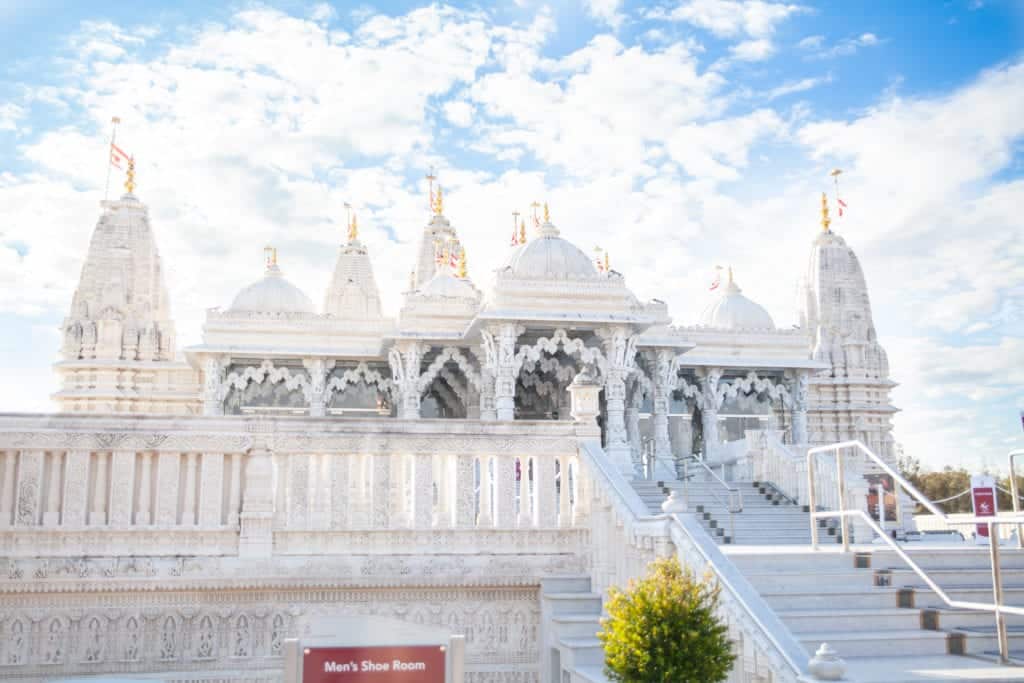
pixel 387 664
pixel 983 494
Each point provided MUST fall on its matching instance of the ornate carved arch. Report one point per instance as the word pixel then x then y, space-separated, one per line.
pixel 560 340
pixel 361 373
pixel 265 371
pixel 448 353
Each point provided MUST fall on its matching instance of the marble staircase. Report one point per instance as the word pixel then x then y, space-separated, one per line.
pixel 868 605
pixel 767 518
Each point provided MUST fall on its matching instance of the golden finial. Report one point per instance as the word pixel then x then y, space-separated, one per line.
pixel 129 182
pixel 730 275
pixel 438 202
pixel 353 229
pixel 462 272
pixel 547 215
pixel 607 262
pixel 522 231
pixel 515 228
pixel 825 220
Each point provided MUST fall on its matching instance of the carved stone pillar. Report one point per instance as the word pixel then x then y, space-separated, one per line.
pixel 485 519
pixel 665 365
pixel 709 404
pixel 634 398
pixel 213 386
pixel 257 514
pixel 465 514
pixel 30 488
pixel 318 369
pixel 422 491
pixel 405 359
pixel 52 515
pixel 487 409
pixel 122 480
pixel 799 390
pixel 98 514
pixel 620 348
pixel 505 491
pixel 503 340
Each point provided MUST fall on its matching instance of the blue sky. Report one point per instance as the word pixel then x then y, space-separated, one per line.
pixel 678 135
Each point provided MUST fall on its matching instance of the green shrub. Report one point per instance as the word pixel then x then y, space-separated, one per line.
pixel 663 629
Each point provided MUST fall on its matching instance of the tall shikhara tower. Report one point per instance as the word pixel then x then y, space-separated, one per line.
pixel 118 351
pixel 851 400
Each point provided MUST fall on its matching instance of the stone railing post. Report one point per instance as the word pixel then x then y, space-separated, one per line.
pixel 405 359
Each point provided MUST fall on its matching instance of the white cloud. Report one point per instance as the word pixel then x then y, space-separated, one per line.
pixel 802 85
pixel 753 50
pixel 459 112
pixel 10 115
pixel 607 11
pixel 811 42
pixel 732 18
pixel 844 48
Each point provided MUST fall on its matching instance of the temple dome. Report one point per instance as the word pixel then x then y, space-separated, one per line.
pixel 549 256
pixel 447 285
pixel 733 311
pixel 272 294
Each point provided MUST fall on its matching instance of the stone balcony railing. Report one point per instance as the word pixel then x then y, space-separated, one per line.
pixel 80 485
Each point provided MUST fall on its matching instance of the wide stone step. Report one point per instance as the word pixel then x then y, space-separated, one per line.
pixel 576 625
pixel 835 599
pixel 948 618
pixel 879 642
pixel 581 652
pixel 931 669
pixel 802 580
pixel 573 603
pixel 960 557
pixel 853 620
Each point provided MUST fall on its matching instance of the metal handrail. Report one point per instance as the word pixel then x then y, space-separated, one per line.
pixel 996 607
pixel 1014 493
pixel 733 491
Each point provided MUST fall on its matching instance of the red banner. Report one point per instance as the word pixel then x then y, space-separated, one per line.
pixel 983 495
pixel 388 664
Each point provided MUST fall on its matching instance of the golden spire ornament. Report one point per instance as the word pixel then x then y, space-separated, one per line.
pixel 547 214
pixel 438 202
pixel 825 220
pixel 129 181
pixel 515 228
pixel 353 229
pixel 607 262
pixel 462 272
pixel 522 231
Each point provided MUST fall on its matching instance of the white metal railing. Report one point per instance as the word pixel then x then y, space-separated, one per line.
pixel 626 537
pixel 899 482
pixel 1014 493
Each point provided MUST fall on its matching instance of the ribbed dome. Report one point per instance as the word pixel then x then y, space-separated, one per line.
pixel 733 311
pixel 548 256
pixel 447 285
pixel 272 294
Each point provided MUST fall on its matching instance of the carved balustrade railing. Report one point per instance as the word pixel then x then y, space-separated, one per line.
pixel 154 485
pixel 626 536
